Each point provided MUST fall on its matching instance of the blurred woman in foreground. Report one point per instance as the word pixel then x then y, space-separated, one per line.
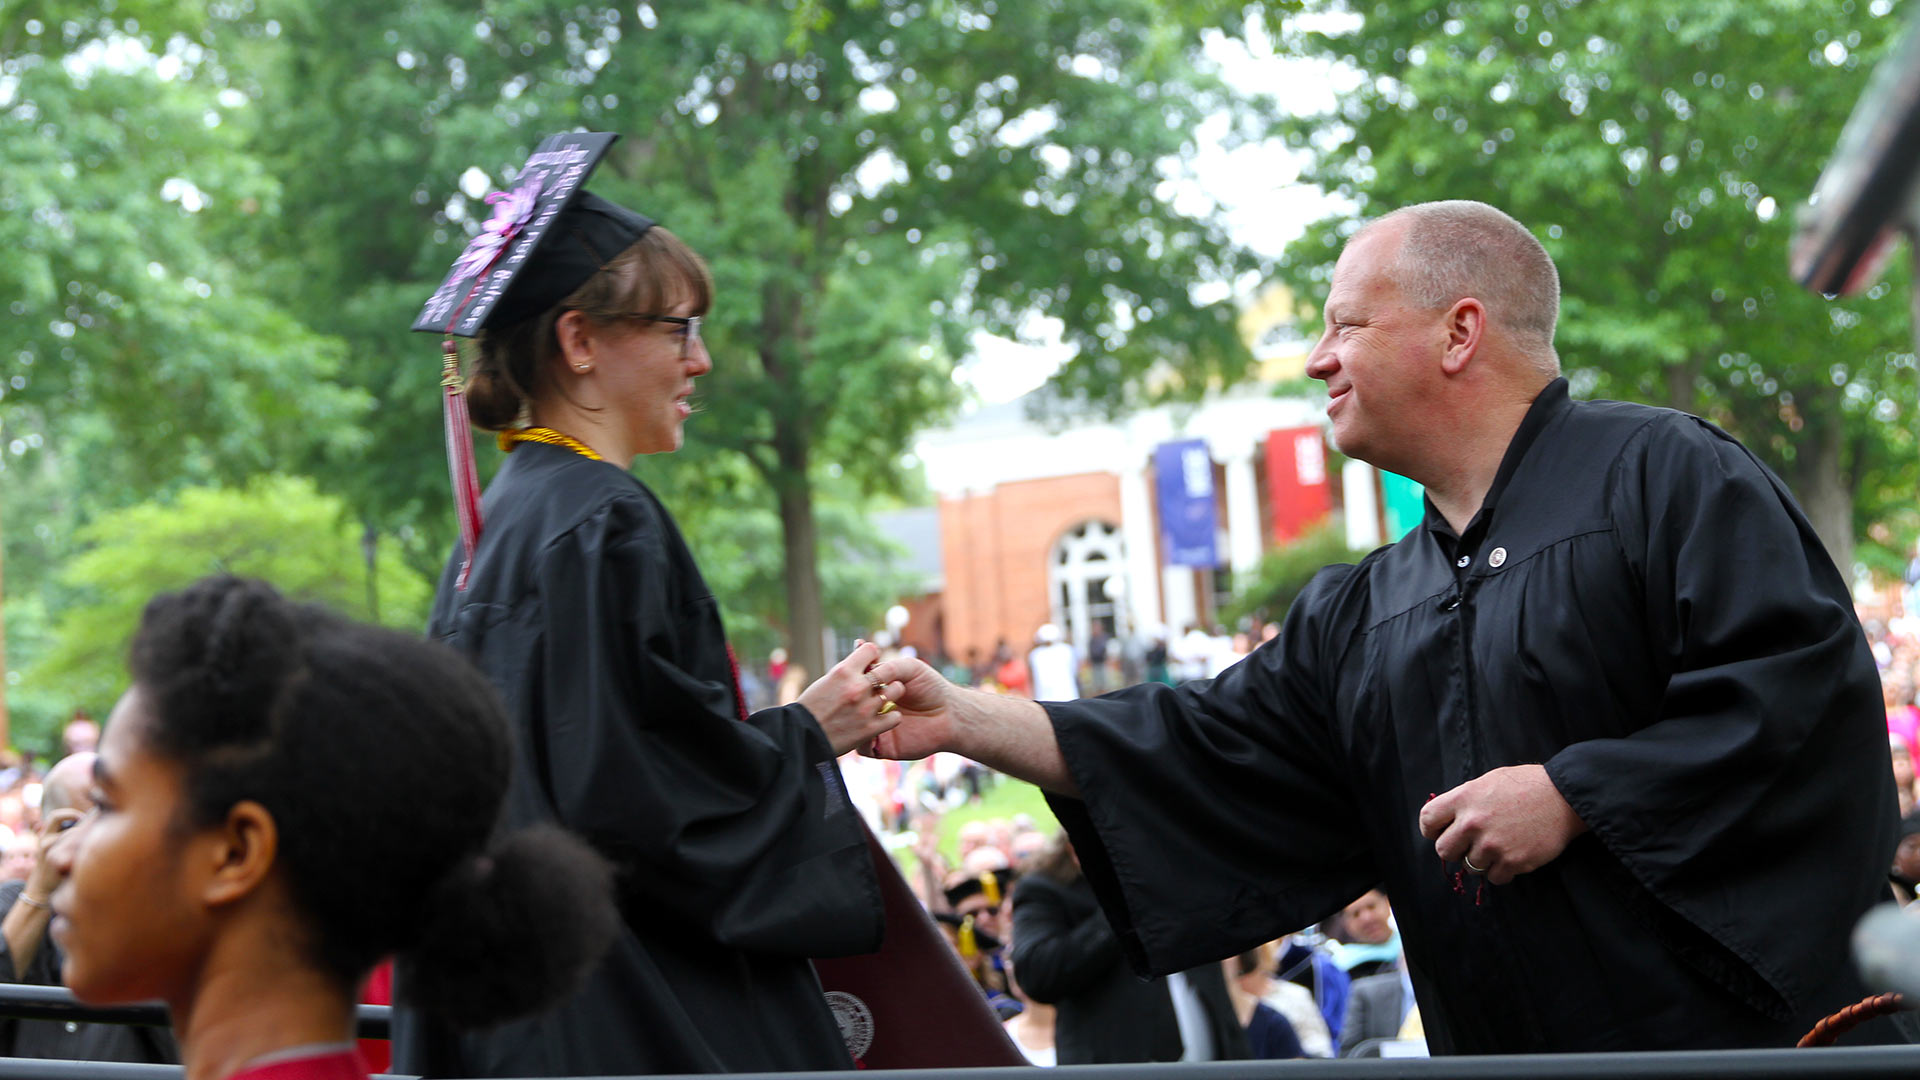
pixel 285 797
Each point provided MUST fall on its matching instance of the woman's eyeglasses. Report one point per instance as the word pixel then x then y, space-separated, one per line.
pixel 689 329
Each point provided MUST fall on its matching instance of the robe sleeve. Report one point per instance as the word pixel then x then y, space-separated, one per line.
pixel 741 827
pixel 1216 815
pixel 1764 773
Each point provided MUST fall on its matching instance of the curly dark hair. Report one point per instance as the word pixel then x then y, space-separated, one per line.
pixel 384 761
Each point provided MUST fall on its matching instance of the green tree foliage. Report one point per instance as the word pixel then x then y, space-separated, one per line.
pixel 1658 150
pixel 277 528
pixel 134 339
pixel 871 179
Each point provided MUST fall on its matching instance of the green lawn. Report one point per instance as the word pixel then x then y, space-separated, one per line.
pixel 1002 799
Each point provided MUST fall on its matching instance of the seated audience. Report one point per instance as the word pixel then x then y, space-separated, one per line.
pixel 1269 1035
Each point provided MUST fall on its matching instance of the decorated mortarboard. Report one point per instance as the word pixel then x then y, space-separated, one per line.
pixel 545 238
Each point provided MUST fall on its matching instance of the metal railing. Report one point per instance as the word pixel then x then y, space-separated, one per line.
pixel 22 1002
pixel 1826 1063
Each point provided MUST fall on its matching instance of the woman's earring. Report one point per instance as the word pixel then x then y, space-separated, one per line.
pixel 583 367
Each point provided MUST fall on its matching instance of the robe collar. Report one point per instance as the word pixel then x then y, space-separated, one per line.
pixel 1551 402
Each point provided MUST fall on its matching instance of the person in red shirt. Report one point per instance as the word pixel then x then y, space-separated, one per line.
pixel 284 797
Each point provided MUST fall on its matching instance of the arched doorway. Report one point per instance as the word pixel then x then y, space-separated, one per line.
pixel 1085 576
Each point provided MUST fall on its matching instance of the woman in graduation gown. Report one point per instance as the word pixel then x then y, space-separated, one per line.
pixel 283 798
pixel 738 854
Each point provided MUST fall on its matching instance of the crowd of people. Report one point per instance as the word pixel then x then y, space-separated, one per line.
pixel 1016 909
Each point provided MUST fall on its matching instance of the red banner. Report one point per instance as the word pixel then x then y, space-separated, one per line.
pixel 1298 491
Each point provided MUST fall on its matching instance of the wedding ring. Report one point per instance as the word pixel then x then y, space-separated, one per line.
pixel 885 709
pixel 1467 861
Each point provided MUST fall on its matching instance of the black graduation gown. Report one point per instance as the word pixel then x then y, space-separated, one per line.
pixel 739 855
pixel 1646 611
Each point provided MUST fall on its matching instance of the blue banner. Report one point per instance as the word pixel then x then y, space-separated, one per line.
pixel 1189 524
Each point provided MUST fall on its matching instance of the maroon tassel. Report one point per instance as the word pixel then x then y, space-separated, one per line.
pixel 460 464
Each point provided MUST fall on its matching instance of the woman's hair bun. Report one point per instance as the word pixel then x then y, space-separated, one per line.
pixel 511 932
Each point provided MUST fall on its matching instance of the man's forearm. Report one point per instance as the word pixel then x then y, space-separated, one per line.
pixel 1012 735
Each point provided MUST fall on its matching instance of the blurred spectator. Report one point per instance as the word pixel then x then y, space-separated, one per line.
pixel 1902 754
pixel 1033 1030
pixel 1026 847
pixel 957 673
pixel 1054 666
pixel 1068 955
pixel 979 950
pixel 1307 963
pixel 16 862
pixel 1906 860
pixel 1372 943
pixel 791 681
pixel 1297 1004
pixel 983 897
pixel 1378 1010
pixel 1191 655
pixel 1269 1034
pixel 1100 652
pixel 1010 672
pixel 756 690
pixel 30 955
pixel 81 735
pixel 1159 660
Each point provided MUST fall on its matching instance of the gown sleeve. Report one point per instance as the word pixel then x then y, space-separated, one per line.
pixel 742 827
pixel 1763 774
pixel 1216 815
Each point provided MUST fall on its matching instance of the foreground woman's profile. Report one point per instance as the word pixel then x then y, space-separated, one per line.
pixel 285 797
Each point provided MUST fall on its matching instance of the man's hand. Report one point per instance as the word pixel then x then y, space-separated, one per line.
pixel 55 830
pixel 847 700
pixel 926 706
pixel 1508 822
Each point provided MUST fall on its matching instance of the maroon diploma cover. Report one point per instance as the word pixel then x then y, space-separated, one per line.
pixel 912 1005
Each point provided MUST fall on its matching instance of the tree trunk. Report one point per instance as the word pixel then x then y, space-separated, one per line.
pixel 1818 479
pixel 1680 389
pixel 799 539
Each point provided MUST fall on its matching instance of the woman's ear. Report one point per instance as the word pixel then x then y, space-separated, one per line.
pixel 243 850
pixel 576 334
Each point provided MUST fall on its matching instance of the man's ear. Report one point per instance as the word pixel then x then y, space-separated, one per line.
pixel 241 852
pixel 1466 325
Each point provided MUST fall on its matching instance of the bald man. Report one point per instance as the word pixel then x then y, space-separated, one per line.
pixel 30 955
pixel 1603 726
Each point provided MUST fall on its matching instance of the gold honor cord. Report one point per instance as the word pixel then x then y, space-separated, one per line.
pixel 508 439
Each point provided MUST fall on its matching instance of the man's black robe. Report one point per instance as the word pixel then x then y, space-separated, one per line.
pixel 1643 609
pixel 738 853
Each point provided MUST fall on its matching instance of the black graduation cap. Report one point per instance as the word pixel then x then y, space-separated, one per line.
pixel 545 238
pixel 995 883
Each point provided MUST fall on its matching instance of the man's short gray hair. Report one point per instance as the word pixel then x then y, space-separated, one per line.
pixel 1459 248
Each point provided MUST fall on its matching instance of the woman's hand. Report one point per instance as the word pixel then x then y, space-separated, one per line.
pixel 846 701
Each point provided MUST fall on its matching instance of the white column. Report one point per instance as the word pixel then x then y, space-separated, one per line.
pixel 1362 506
pixel 1137 539
pixel 1243 516
pixel 1183 606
